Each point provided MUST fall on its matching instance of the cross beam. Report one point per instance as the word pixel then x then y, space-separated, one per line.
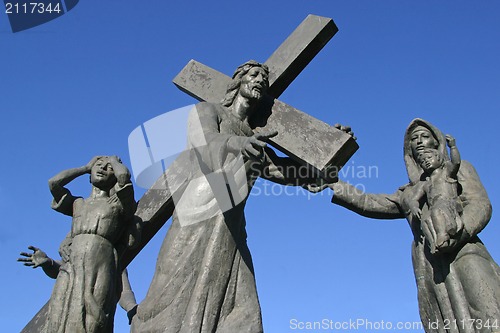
pixel 306 139
pixel 325 146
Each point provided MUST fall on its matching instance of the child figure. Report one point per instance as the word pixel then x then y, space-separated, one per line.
pixel 440 190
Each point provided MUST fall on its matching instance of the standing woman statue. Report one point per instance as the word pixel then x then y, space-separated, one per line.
pixel 88 283
pixel 459 284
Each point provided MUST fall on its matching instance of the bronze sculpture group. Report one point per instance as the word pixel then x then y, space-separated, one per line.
pixel 204 279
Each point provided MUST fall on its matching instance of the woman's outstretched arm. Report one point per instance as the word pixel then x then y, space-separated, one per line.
pixel 377 206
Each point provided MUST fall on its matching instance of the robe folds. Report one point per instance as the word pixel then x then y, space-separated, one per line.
pixel 204 278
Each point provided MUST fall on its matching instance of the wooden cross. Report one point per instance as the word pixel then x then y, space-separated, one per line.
pixel 304 138
pixel 308 140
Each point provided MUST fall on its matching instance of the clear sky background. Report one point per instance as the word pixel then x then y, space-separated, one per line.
pixel 77 86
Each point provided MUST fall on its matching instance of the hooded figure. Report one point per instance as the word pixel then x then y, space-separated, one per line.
pixel 459 286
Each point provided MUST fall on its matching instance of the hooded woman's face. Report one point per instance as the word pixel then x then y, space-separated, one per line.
pixel 420 139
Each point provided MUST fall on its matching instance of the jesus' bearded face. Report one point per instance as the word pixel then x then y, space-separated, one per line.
pixel 254 83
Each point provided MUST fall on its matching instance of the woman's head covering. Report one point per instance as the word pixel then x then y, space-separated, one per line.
pixel 412 167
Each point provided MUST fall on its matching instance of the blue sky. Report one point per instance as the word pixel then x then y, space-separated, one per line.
pixel 77 86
